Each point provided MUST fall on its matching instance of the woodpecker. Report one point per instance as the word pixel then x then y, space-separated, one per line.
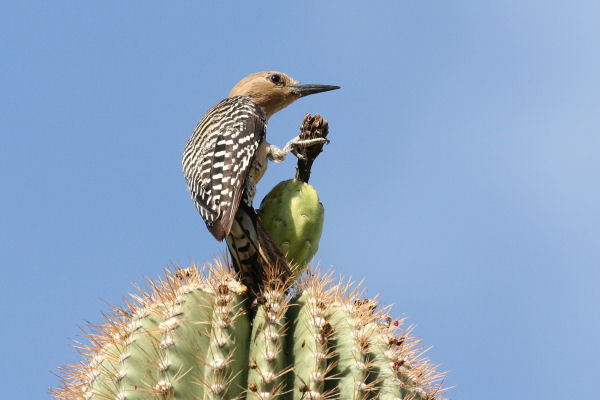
pixel 227 155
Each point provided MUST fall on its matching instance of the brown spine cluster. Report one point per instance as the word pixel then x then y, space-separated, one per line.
pixel 311 128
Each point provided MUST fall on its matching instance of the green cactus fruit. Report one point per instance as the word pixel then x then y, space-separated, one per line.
pixel 190 337
pixel 293 216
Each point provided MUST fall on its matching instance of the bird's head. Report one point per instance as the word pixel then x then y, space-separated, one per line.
pixel 273 90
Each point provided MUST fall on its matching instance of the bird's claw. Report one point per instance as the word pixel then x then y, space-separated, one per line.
pixel 298 155
pixel 297 144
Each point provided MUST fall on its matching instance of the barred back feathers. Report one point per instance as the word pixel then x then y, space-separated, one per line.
pixel 217 157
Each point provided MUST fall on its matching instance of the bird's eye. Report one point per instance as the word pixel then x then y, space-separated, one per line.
pixel 276 79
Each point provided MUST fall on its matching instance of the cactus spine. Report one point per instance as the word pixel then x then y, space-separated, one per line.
pixel 190 337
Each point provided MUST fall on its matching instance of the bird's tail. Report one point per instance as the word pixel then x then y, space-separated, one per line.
pixel 256 257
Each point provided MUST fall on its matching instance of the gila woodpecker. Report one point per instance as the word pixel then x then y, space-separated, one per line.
pixel 225 158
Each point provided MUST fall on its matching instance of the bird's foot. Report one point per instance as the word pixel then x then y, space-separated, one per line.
pixel 297 144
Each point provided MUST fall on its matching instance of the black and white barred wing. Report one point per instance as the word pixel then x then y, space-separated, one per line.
pixel 217 158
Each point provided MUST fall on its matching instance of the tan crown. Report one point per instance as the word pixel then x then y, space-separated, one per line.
pixel 268 89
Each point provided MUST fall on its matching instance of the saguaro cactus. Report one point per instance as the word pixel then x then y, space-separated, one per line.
pixel 190 337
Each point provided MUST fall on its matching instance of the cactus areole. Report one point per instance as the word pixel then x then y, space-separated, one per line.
pixel 293 215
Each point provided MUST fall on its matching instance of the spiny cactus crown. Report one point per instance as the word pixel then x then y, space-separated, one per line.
pixel 190 336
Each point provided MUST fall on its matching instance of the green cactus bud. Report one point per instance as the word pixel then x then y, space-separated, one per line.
pixel 293 216
pixel 191 338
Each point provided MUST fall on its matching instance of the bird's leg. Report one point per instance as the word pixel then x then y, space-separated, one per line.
pixel 274 153
pixel 294 146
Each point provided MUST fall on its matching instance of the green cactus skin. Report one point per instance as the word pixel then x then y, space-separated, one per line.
pixel 293 216
pixel 190 338
pixel 268 363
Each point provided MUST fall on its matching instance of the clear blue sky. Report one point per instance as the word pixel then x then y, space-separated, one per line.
pixel 462 180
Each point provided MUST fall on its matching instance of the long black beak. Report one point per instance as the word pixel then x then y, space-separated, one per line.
pixel 306 89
